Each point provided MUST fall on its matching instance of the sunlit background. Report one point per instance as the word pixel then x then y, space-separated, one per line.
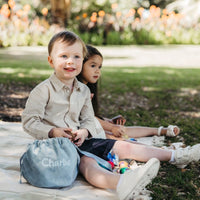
pixel 101 22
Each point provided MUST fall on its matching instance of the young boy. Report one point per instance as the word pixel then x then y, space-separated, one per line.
pixel 61 106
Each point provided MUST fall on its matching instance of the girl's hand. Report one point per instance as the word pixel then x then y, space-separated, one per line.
pixel 118 130
pixel 119 120
pixel 91 95
pixel 81 135
pixel 60 132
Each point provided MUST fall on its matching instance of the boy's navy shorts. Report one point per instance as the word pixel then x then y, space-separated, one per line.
pixel 99 147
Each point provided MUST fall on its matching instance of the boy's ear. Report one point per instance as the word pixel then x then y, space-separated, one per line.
pixel 50 61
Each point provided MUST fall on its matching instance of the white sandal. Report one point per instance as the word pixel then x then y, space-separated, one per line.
pixel 170 130
pixel 159 130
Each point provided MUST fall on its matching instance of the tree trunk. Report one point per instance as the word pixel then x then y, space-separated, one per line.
pixel 60 10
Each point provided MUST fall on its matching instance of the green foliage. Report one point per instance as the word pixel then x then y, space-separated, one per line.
pixel 99 23
pixel 114 38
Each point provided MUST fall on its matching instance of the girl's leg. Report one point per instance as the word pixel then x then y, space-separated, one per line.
pixel 140 152
pixel 103 178
pixel 139 131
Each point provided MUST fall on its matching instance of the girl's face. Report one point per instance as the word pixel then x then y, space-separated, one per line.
pixel 92 69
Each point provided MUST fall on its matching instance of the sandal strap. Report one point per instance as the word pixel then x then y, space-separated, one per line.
pixel 159 130
pixel 170 131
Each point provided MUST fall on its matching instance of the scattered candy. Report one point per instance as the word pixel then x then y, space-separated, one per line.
pixel 113 157
pixel 112 164
pixel 123 164
pixel 125 136
pixel 122 170
pixel 132 139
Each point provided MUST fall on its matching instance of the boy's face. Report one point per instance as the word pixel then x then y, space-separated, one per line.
pixel 66 60
pixel 92 69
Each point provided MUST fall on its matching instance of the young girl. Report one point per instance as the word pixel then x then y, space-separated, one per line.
pixel 114 127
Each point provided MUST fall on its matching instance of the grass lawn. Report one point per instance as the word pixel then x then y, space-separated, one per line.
pixel 150 96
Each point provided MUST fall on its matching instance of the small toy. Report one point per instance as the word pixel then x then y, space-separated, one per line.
pixel 123 166
pixel 72 134
pixel 125 136
pixel 113 158
pixel 132 139
pixel 112 164
pixel 122 170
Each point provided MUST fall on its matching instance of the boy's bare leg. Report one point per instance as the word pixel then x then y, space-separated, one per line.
pixel 135 132
pixel 103 178
pixel 140 152
pixel 127 185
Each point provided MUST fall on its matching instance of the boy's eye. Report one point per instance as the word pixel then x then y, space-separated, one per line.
pixel 64 56
pixel 77 56
pixel 93 66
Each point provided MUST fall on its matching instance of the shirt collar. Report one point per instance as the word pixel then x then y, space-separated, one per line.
pixel 58 85
pixel 77 84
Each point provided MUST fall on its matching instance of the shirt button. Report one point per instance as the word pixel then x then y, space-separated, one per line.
pixel 67 89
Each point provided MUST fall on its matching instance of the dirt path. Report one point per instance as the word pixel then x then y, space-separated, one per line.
pixel 180 56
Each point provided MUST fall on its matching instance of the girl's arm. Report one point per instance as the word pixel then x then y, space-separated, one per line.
pixel 119 120
pixel 116 130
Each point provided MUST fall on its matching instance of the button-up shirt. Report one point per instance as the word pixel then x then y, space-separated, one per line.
pixel 52 104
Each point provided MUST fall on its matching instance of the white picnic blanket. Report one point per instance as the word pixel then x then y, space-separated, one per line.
pixel 13 143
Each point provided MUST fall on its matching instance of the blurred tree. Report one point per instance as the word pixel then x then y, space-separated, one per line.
pixel 2 2
pixel 60 11
pixel 158 3
pixel 189 8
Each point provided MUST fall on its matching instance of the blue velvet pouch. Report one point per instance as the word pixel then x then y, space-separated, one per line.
pixel 53 163
pixel 50 163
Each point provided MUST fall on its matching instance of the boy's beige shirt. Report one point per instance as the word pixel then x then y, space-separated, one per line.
pixel 51 104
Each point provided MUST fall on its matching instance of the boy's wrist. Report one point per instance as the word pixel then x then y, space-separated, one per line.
pixel 86 133
pixel 50 134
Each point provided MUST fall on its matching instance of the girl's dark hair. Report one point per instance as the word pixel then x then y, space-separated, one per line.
pixel 92 51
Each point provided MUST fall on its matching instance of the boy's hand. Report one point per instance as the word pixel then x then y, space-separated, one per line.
pixel 60 132
pixel 81 134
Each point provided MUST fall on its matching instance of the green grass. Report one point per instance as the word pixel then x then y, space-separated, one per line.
pixel 15 69
pixel 151 96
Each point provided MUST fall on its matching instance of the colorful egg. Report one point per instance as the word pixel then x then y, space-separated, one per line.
pixel 123 164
